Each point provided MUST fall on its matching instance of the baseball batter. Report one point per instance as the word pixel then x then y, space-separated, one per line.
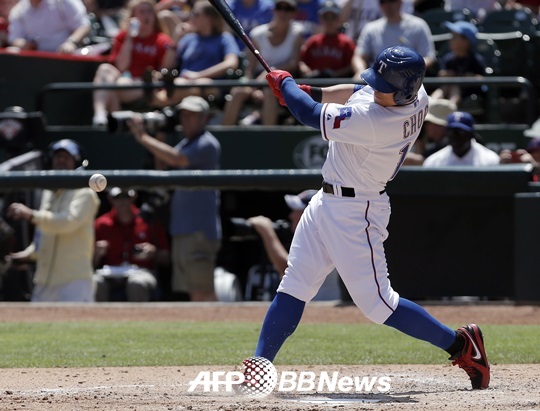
pixel 369 130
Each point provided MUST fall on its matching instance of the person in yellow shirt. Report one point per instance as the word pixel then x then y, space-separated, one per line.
pixel 64 234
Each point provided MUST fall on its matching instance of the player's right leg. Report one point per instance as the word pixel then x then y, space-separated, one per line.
pixel 308 266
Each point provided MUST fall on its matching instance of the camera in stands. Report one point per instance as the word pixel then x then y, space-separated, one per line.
pixel 241 229
pixel 19 129
pixel 164 120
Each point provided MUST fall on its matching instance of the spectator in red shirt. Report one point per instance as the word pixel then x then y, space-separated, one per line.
pixel 329 53
pixel 128 249
pixel 137 49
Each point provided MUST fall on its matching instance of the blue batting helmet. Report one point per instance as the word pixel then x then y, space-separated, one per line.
pixel 399 70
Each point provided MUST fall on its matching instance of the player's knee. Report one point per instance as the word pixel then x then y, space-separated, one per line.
pixel 378 311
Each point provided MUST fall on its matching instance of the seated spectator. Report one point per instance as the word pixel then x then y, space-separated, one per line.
pixel 205 52
pixel 250 14
pixel 44 25
pixel 356 13
pixel 5 8
pixel 529 155
pixel 433 135
pixel 63 236
pixel 329 53
pixel 135 51
pixel 279 42
pixel 394 28
pixel 127 250
pixel 462 148
pixel 461 61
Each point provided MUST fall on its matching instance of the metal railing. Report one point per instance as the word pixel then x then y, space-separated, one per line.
pixel 494 82
pixel 412 180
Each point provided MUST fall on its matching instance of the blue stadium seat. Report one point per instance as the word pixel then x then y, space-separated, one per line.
pixel 501 21
pixel 435 18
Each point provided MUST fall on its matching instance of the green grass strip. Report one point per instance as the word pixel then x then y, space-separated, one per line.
pixel 100 344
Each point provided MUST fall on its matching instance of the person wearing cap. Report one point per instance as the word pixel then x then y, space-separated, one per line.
pixel 279 41
pixel 462 60
pixel 462 148
pixel 433 135
pixel 277 253
pixel 133 246
pixel 195 225
pixel 328 53
pixel 64 234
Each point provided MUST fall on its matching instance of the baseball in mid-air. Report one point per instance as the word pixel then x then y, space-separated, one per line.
pixel 97 182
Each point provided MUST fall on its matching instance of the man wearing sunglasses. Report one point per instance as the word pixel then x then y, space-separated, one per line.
pixel 462 148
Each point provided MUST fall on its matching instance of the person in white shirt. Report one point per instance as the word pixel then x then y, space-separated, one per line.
pixel 463 149
pixel 394 28
pixel 48 25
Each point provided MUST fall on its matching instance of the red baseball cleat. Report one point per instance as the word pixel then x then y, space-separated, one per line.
pixel 473 357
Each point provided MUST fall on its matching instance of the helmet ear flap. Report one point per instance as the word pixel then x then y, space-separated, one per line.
pixel 401 98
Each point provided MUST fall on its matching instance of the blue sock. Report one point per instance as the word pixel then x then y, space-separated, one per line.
pixel 280 322
pixel 413 320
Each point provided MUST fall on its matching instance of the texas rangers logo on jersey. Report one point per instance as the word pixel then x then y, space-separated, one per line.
pixel 345 114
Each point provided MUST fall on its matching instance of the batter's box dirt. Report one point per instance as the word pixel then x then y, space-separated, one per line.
pixel 413 387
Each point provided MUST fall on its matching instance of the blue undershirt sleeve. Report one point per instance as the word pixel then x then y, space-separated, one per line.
pixel 300 104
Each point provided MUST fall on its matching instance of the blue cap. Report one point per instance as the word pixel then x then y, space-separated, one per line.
pixel 462 120
pixel 464 28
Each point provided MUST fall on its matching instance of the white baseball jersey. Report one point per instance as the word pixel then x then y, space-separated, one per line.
pixel 478 155
pixel 367 146
pixel 368 142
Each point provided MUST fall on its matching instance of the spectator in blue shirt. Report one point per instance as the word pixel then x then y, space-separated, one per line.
pixel 251 13
pixel 195 225
pixel 205 52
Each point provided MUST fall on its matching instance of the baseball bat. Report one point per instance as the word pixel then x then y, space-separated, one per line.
pixel 227 14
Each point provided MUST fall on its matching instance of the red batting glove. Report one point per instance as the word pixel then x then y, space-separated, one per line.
pixel 274 79
pixel 305 88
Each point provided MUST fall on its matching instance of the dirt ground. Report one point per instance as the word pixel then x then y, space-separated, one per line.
pixel 413 387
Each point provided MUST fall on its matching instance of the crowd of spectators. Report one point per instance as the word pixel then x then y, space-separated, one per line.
pixel 185 43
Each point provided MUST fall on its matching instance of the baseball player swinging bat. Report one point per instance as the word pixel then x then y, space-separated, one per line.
pixel 226 13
